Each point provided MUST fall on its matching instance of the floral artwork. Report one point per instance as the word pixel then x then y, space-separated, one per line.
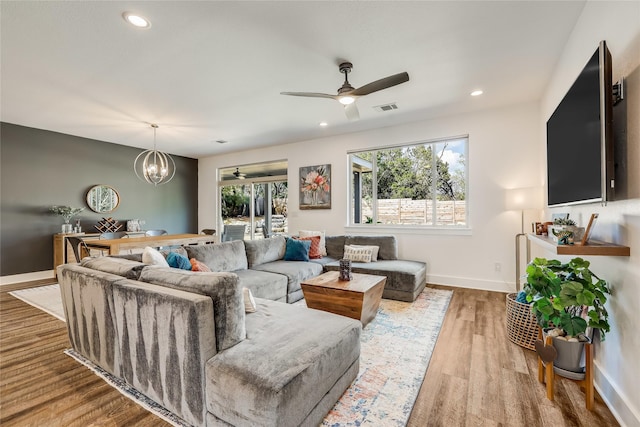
pixel 315 187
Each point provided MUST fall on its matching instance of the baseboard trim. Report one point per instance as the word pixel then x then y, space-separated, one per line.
pixel 466 282
pixel 617 402
pixel 26 277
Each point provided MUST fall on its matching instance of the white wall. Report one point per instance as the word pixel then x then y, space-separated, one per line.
pixel 618 358
pixel 503 153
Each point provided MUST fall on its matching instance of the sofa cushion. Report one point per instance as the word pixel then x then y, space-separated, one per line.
pixel 321 234
pixel 358 254
pixel 199 266
pixel 388 245
pixel 225 256
pixel 264 285
pixel 297 250
pixel 281 371
pixel 265 250
pixel 223 288
pixel 176 260
pixel 324 260
pixel 374 250
pixel 153 256
pixel 335 246
pixel 295 271
pixel 118 266
pixel 314 249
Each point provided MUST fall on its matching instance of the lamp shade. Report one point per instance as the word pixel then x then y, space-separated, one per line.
pixel 523 198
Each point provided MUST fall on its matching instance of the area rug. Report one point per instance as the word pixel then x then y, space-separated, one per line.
pixel 396 348
pixel 46 298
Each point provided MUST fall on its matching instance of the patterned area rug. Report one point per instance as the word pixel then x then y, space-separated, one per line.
pixel 395 353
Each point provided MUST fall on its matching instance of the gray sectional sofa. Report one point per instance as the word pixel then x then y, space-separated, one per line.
pixel 260 266
pixel 184 340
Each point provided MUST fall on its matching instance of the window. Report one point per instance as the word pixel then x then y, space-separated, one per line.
pixel 422 185
pixel 255 196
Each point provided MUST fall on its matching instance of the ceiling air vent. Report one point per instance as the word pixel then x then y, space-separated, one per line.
pixel 386 107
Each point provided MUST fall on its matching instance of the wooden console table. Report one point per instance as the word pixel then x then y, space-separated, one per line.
pixel 114 246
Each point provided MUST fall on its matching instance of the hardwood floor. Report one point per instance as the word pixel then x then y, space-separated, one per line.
pixel 476 377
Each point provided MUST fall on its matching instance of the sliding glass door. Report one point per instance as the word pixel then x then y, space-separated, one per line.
pixel 256 199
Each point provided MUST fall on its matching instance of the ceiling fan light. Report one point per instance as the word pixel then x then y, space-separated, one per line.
pixel 346 100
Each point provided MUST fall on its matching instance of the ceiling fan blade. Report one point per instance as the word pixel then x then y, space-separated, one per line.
pixel 352 111
pixel 384 83
pixel 310 94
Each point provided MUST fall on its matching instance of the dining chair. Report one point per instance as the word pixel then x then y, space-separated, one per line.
pixel 155 233
pixel 113 235
pixel 78 245
pixel 233 232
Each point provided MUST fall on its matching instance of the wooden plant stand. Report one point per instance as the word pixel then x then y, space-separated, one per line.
pixel 546 374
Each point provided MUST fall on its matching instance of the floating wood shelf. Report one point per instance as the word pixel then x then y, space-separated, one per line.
pixel 594 247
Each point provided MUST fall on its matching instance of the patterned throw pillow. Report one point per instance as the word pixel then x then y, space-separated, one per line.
pixel 199 266
pixel 374 251
pixel 180 261
pixel 309 233
pixel 297 250
pixel 152 256
pixel 357 254
pixel 314 250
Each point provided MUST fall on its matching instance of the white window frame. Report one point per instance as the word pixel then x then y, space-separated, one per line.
pixel 464 229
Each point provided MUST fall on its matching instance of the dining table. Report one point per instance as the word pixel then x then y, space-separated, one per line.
pixel 114 246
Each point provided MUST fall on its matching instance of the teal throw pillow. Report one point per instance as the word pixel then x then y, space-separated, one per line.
pixel 297 250
pixel 176 260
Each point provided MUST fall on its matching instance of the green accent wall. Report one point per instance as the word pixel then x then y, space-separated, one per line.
pixel 40 168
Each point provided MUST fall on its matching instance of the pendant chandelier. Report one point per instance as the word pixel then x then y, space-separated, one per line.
pixel 153 166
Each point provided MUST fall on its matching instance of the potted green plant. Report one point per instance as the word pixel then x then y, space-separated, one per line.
pixel 66 212
pixel 567 298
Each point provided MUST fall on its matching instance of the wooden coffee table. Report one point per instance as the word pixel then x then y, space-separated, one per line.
pixel 357 298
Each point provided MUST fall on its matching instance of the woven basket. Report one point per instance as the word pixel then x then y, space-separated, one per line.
pixel 522 327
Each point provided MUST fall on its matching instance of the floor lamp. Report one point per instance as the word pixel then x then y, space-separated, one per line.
pixel 522 199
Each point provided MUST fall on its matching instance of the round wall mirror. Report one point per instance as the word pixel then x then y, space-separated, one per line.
pixel 103 199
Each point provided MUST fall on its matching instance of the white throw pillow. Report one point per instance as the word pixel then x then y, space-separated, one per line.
pixel 249 302
pixel 357 254
pixel 153 257
pixel 309 233
pixel 374 251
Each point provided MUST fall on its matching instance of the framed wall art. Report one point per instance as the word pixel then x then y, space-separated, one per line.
pixel 315 187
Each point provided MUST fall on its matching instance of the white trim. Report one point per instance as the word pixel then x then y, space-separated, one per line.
pixel 471 283
pixel 26 277
pixel 408 229
pixel 619 404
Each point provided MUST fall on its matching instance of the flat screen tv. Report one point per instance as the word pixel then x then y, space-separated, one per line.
pixel 580 157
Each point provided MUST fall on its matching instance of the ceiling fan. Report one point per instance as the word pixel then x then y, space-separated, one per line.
pixel 347 94
pixel 238 174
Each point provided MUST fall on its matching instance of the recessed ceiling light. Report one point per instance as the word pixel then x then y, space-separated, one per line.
pixel 221 141
pixel 323 124
pixel 136 20
pixel 476 93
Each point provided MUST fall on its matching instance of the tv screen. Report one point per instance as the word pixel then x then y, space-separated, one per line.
pixel 579 137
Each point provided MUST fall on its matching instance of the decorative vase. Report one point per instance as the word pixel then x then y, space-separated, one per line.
pixel 345 269
pixel 67 228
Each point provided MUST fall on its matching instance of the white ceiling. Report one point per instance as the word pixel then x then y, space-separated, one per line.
pixel 209 70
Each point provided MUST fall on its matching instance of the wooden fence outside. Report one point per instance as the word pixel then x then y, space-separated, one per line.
pixel 407 211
